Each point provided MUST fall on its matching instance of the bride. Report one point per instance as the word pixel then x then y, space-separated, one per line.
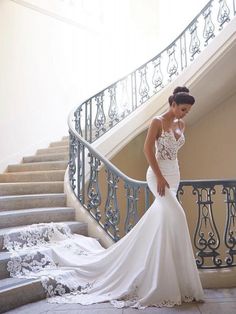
pixel 153 265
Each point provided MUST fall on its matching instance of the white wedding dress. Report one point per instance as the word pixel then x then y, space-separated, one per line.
pixel 153 265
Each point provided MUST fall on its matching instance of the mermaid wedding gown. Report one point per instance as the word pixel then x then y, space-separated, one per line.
pixel 153 265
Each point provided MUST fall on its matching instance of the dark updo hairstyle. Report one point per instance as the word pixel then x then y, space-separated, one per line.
pixel 178 89
pixel 183 98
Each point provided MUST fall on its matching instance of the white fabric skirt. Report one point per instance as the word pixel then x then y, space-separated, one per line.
pixel 153 265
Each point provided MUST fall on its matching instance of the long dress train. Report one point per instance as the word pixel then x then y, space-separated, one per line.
pixel 153 265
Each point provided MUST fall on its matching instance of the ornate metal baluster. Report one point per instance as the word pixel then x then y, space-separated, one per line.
pixel 144 87
pixel 157 78
pixel 206 237
pixel 134 90
pixel 113 108
pixel 194 46
pixel 80 172
pixel 72 159
pixel 223 14
pixel 94 195
pixel 132 197
pixel 100 118
pixel 209 27
pixel 230 226
pixel 172 66
pixel 124 98
pixel 183 52
pixel 77 116
pixel 112 211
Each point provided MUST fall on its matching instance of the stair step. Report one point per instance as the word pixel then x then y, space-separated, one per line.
pixel 52 150
pixel 20 188
pixel 75 227
pixel 38 166
pixel 29 216
pixel 15 292
pixel 14 202
pixel 60 144
pixel 33 176
pixel 47 157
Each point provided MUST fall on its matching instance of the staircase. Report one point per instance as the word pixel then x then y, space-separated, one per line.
pixel 32 193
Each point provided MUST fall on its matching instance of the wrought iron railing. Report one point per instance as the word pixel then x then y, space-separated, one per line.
pixel 101 112
pixel 214 206
pixel 90 173
pixel 116 201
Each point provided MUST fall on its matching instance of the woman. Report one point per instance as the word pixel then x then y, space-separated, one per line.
pixel 153 265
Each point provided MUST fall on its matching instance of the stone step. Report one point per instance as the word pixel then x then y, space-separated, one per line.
pixel 52 150
pixel 38 166
pixel 14 202
pixel 75 227
pixel 47 157
pixel 20 188
pixel 60 144
pixel 29 216
pixel 33 176
pixel 15 292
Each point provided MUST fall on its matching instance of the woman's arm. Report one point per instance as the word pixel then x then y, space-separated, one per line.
pixel 154 132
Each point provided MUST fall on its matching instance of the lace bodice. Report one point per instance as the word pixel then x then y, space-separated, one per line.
pixel 167 145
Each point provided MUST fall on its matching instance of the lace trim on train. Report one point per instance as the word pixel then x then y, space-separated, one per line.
pixel 36 235
pixel 32 257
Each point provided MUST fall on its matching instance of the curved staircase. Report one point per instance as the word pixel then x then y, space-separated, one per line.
pixel 31 193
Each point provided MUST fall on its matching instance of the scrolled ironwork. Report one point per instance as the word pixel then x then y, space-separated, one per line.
pixel 100 118
pixel 194 46
pixel 113 108
pixel 72 159
pixel 157 78
pixel 132 197
pixel 93 193
pixel 230 226
pixel 112 211
pixel 172 67
pixel 209 27
pixel 223 14
pixel 206 236
pixel 143 87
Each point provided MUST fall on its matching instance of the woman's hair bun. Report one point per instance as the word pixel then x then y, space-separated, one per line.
pixel 178 89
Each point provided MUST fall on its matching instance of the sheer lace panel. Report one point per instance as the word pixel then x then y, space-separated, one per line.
pixel 167 145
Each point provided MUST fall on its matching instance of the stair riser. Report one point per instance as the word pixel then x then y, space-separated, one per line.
pixel 38 167
pixel 78 229
pixel 21 295
pixel 52 150
pixel 33 202
pixel 60 144
pixel 58 175
pixel 36 217
pixel 52 157
pixel 33 188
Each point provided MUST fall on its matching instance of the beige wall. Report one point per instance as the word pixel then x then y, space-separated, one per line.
pixel 210 148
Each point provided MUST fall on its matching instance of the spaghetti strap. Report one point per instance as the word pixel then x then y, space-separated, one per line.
pixel 160 119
